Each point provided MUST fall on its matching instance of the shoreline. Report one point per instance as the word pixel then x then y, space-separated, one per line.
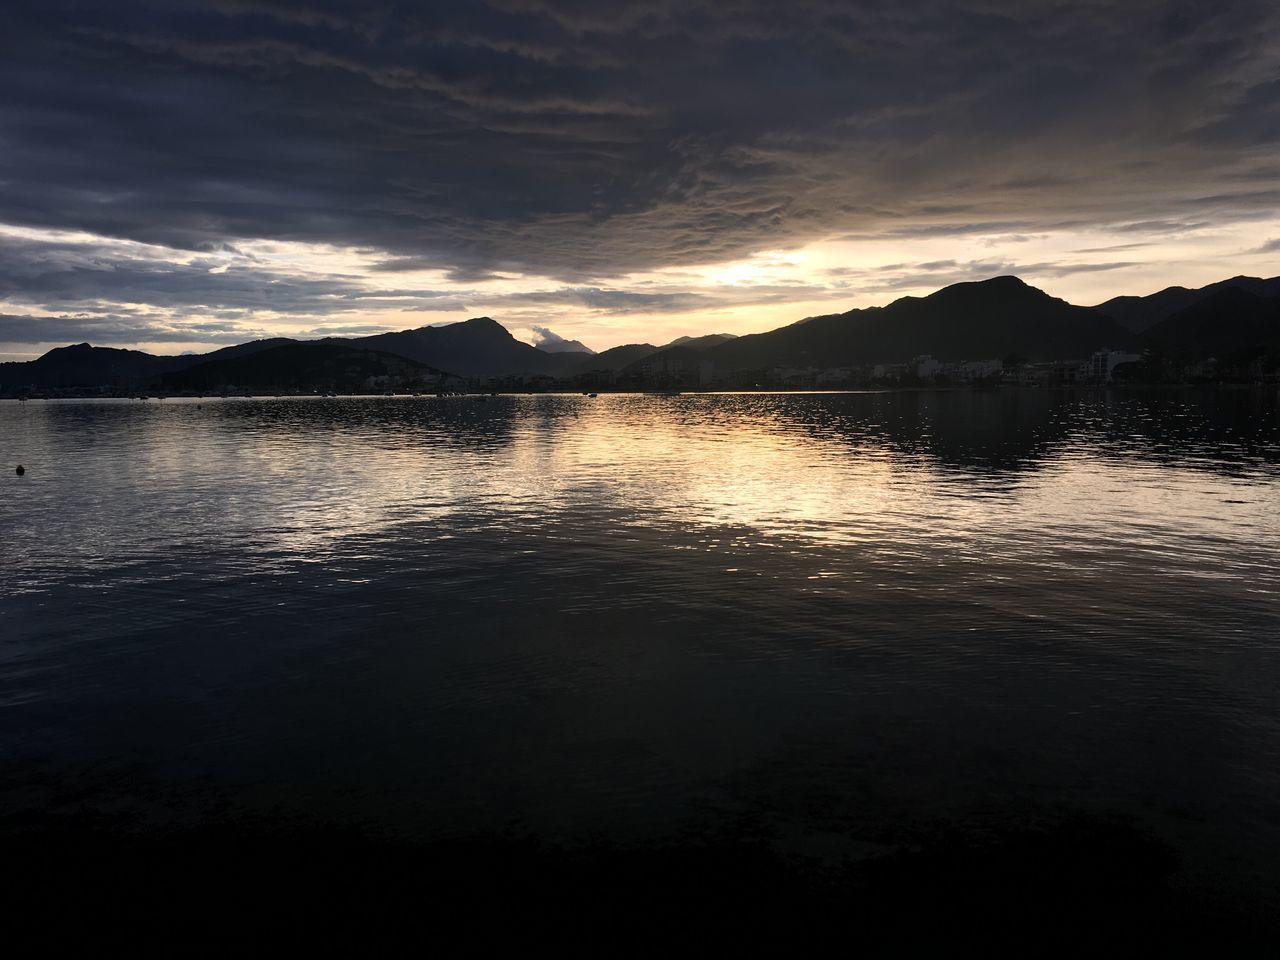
pixel 740 391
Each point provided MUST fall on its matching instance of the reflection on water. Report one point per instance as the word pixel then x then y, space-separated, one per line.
pixel 841 618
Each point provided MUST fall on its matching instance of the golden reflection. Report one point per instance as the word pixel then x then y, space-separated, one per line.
pixel 714 472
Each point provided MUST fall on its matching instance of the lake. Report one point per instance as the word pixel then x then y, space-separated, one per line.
pixel 840 625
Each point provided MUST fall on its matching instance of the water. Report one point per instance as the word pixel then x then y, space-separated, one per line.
pixel 841 622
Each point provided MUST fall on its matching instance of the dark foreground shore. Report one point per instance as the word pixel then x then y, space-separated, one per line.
pixel 1080 887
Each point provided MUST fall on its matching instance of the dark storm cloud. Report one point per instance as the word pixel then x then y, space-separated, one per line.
pixel 1161 226
pixel 118 328
pixel 95 278
pixel 586 140
pixel 618 301
pixel 896 277
pixel 980 268
pixel 85 274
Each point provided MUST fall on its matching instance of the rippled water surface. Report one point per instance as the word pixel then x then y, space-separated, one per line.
pixel 837 618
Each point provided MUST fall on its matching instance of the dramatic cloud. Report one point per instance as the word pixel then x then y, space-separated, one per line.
pixel 545 336
pixel 115 330
pixel 576 146
pixel 87 273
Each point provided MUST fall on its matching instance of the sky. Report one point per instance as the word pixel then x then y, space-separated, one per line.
pixel 181 175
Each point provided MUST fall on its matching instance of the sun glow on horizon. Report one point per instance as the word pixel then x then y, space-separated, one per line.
pixel 259 288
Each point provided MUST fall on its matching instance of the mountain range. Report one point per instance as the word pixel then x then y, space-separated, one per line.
pixel 299 366
pixel 1142 313
pixel 993 318
pixel 967 321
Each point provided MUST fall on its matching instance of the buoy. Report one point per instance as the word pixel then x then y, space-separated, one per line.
pixel 21 470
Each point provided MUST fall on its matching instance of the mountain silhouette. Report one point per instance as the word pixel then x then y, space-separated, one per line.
pixel 619 358
pixel 966 321
pixel 1232 323
pixel 477 347
pixel 82 365
pixel 629 355
pixel 702 343
pixel 1142 313
pixel 226 353
pixel 298 365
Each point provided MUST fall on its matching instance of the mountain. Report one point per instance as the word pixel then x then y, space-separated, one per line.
pixel 477 347
pixel 682 353
pixel 630 354
pixel 297 365
pixel 564 346
pixel 1231 323
pixel 617 358
pixel 82 365
pixel 1142 313
pixel 224 353
pixel 701 343
pixel 667 362
pixel 966 321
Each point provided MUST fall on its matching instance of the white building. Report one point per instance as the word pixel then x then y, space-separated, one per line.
pixel 926 367
pixel 980 369
pixel 834 375
pixel 888 371
pixel 1100 366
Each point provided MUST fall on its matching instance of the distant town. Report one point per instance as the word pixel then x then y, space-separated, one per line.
pixel 923 370
pixel 662 373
